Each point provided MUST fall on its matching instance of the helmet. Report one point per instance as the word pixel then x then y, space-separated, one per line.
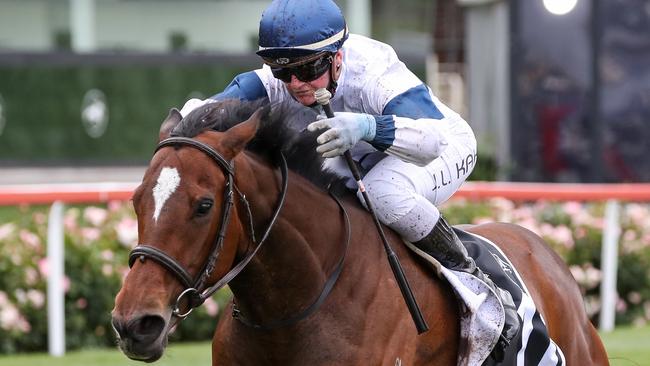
pixel 291 29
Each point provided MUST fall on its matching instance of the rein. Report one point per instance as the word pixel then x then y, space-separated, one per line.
pixel 195 296
pixel 327 288
pixel 193 286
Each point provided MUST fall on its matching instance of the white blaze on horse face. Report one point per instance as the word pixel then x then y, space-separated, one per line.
pixel 168 181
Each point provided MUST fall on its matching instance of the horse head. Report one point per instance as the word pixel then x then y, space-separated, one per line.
pixel 183 208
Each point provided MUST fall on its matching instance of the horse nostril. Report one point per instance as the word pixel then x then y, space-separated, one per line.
pixel 147 328
pixel 119 327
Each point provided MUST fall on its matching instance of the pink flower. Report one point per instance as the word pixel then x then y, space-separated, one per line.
pixel 12 320
pixel 114 206
pixel 502 204
pixel 70 219
pixel 578 273
pixel 107 270
pixel 127 232
pixel 638 214
pixel 629 235
pixel 211 307
pixel 530 224
pixel 16 259
pixel 31 240
pixel 66 284
pixel 39 218
pixel 634 297
pixel 31 276
pixel 81 303
pixel 95 216
pixel 563 235
pixel 107 255
pixel 44 267
pixel 37 298
pixel 580 232
pixel 572 208
pixel 592 276
pixel 523 213
pixel 7 230
pixel 90 234
pixel 21 296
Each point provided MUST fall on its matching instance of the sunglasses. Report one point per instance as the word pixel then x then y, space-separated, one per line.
pixel 306 72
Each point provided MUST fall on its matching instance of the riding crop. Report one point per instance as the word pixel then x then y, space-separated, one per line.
pixel 323 97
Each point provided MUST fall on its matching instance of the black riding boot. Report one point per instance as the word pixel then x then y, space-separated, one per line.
pixel 443 244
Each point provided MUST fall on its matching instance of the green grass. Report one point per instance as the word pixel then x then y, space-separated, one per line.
pixel 181 354
pixel 625 346
pixel 628 346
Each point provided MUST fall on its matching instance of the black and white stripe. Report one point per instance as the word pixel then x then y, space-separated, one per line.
pixel 533 345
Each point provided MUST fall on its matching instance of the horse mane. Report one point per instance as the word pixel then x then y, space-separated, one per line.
pixel 281 130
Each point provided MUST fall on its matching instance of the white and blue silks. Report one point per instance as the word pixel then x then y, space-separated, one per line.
pixel 422 151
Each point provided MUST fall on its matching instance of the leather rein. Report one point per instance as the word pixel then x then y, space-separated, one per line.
pixel 196 296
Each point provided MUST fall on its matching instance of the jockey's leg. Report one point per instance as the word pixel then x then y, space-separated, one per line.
pixel 443 244
pixel 405 198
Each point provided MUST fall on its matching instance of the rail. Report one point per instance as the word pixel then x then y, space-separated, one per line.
pixel 57 195
pixel 102 192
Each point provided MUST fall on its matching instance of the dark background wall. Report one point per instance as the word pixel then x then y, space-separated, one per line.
pixel 581 92
pixel 42 98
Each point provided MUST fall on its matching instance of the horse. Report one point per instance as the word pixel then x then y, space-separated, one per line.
pixel 310 281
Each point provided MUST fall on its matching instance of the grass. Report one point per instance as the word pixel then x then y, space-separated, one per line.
pixel 181 354
pixel 625 346
pixel 628 346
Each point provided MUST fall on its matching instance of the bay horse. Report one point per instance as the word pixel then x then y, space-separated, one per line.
pixel 310 281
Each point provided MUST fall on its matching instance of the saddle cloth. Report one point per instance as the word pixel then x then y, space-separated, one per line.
pixel 482 315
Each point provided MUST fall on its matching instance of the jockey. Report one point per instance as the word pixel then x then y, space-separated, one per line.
pixel 416 152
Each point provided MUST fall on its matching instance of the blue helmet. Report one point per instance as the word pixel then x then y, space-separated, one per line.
pixel 295 28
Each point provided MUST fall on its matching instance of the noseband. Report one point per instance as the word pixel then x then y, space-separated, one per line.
pixel 192 285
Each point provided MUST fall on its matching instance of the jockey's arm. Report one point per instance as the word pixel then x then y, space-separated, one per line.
pixel 246 87
pixel 410 129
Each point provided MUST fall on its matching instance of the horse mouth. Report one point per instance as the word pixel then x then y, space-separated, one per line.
pixel 142 340
pixel 143 352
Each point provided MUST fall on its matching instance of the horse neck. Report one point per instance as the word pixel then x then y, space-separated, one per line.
pixel 290 269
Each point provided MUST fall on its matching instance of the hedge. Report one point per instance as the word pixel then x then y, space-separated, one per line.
pixel 98 239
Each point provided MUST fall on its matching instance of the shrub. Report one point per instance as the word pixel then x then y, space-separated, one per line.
pixel 97 243
pixel 99 238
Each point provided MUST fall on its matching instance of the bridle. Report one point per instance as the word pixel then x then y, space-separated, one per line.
pixel 192 285
pixel 196 296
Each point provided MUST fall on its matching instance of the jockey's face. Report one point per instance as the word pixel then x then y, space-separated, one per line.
pixel 303 91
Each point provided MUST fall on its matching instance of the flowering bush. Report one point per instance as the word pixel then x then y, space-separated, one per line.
pixel 97 243
pixel 98 240
pixel 574 230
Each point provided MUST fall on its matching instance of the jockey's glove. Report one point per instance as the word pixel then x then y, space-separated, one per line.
pixel 343 131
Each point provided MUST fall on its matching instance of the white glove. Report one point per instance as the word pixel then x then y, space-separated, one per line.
pixel 343 131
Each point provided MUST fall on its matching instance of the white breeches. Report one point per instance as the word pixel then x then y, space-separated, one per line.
pixel 405 196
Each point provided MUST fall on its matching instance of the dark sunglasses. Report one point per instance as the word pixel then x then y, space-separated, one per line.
pixel 306 72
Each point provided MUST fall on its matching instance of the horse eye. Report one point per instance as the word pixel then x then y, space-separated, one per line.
pixel 204 206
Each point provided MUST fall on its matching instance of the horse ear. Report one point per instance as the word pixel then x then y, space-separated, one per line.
pixel 240 134
pixel 173 118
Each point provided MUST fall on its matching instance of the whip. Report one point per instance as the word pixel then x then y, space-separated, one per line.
pixel 323 97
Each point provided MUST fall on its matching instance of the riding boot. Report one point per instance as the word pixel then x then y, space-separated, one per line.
pixel 443 244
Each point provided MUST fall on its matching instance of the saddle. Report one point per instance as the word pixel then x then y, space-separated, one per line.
pixel 482 317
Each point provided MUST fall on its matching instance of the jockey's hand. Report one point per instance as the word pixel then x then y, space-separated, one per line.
pixel 343 131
